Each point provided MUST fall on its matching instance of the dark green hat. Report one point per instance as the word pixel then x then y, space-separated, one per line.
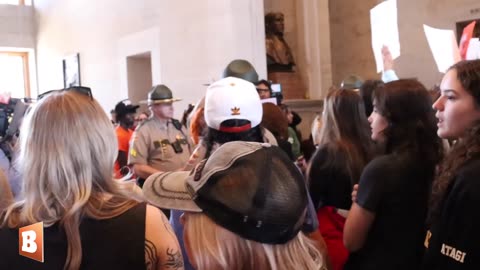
pixel 159 94
pixel 352 82
pixel 242 69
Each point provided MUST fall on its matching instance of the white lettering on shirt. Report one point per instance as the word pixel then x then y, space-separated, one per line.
pixel 453 253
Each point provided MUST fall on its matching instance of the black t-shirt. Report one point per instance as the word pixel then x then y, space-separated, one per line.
pixel 455 236
pixel 395 187
pixel 116 243
pixel 330 184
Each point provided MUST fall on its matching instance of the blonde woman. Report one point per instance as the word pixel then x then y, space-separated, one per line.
pixel 6 196
pixel 244 209
pixel 67 152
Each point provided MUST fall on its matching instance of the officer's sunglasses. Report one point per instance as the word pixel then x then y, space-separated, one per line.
pixel 79 89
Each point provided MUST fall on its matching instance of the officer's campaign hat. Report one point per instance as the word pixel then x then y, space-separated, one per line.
pixel 159 94
pixel 242 69
pixel 352 82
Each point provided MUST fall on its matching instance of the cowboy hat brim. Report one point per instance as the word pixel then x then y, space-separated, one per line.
pixel 159 101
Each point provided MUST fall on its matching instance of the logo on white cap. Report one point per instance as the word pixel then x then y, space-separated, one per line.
pixel 232 98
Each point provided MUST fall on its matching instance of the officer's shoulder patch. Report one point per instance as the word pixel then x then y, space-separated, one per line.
pixel 144 123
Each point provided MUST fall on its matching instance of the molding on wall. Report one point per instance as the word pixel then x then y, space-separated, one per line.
pixel 312 105
pixel 138 43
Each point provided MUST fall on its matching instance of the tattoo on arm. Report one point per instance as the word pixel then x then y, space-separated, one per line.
pixel 151 258
pixel 174 259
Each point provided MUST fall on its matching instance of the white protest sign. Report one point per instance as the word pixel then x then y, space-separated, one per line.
pixel 384 26
pixel 269 100
pixel 444 47
pixel 473 51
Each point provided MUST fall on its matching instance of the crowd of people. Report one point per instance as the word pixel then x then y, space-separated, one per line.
pixel 387 179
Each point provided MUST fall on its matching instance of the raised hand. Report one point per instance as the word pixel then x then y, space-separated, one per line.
pixel 387 58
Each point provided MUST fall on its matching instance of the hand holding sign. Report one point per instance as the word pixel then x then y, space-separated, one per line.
pixel 384 26
pixel 387 58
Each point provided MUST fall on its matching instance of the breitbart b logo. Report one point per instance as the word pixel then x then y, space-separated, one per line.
pixel 30 241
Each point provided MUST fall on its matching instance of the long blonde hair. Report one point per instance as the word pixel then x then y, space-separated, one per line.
pixel 6 196
pixel 67 151
pixel 345 132
pixel 213 247
pixel 315 129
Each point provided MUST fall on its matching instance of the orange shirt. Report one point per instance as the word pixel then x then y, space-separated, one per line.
pixel 123 137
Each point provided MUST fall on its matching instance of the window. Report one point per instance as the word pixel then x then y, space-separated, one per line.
pixel 16 2
pixel 14 78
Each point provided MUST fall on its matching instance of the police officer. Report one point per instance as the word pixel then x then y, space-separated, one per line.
pixel 160 143
pixel 242 69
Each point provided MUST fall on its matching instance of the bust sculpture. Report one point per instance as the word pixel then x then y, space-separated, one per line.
pixel 279 54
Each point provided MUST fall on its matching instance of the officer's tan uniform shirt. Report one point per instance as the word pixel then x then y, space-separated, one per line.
pixel 151 144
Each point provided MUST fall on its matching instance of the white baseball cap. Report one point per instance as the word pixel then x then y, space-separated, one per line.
pixel 232 98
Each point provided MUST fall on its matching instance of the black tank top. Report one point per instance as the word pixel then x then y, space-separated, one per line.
pixel 116 243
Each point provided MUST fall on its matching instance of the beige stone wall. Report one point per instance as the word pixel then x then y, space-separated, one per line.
pixel 351 40
pixel 17 28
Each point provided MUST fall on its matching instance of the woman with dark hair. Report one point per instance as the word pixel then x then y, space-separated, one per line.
pixel 344 149
pixel 385 226
pixel 215 138
pixel 232 112
pixel 453 239
pixel 276 122
pixel 366 91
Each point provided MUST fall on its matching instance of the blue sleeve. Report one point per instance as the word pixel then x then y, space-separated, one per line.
pixel 4 162
pixel 178 229
pixel 389 76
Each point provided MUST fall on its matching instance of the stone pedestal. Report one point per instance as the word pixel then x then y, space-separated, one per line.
pixel 292 84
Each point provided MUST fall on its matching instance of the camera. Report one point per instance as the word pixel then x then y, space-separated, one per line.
pixel 12 111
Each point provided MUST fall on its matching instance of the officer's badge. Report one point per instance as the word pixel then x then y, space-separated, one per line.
pixel 181 139
pixel 133 152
